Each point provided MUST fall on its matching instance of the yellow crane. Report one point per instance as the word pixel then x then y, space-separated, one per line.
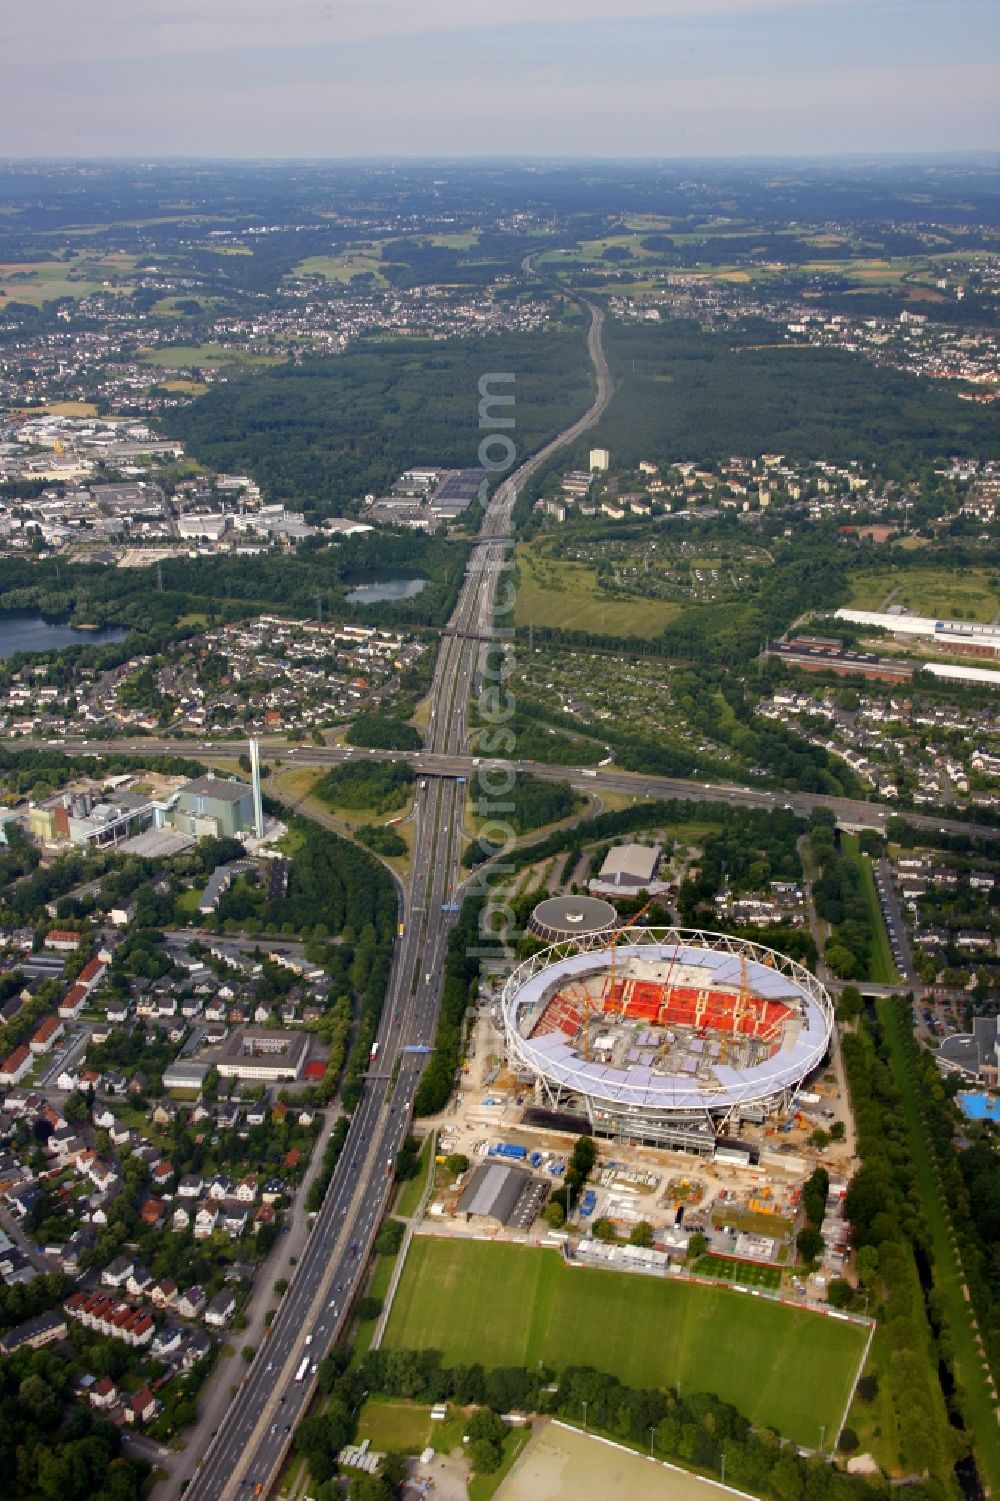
pixel 615 936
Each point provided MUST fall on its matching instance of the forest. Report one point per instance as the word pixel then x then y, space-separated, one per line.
pixel 686 394
pixel 322 434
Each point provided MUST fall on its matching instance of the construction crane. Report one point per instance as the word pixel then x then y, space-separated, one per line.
pixel 744 1000
pixel 617 933
pixel 577 991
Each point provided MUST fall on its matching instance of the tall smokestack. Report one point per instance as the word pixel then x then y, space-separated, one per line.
pixel 258 805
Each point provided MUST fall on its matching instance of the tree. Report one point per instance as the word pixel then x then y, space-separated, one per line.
pixel 697 1246
pixel 641 1234
pixel 554 1215
pixel 38 1400
pixel 457 1163
pixel 393 1469
pixel 76 1108
pixel 810 1243
pixel 486 1424
pixel 604 1229
pixel 867 1265
pixel 840 1293
pixel 838 1131
pixel 484 1456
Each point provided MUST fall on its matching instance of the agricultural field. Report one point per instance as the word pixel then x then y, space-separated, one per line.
pixel 360 260
pixel 77 275
pixel 569 596
pixel 749 1351
pixel 203 356
pixel 945 593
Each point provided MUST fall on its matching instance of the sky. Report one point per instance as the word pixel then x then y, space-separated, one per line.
pixel 348 78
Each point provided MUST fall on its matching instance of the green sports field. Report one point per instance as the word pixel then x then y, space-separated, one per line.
pixel 513 1305
pixel 746 1273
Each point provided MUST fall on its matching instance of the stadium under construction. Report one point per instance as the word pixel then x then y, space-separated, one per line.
pixel 666 1036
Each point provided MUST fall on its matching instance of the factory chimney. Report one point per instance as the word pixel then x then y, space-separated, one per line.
pixel 258 805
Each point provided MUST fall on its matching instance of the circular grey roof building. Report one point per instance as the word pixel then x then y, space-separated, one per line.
pixel 558 919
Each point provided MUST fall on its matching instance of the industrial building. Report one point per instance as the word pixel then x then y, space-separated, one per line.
pixel 629 868
pixel 211 806
pixel 511 1195
pixel 666 1036
pixel 963 637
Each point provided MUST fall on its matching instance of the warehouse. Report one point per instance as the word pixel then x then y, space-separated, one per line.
pixel 499 1191
pixel 629 868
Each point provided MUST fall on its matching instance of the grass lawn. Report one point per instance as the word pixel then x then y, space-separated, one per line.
pixel 410 1192
pixel 343 267
pixel 746 1273
pixel 513 1305
pixel 379 1286
pixel 566 596
pixel 388 1423
pixel 183 356
pixel 977 1404
pixel 945 593
pixel 882 969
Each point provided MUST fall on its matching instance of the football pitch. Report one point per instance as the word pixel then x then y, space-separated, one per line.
pixel 513 1305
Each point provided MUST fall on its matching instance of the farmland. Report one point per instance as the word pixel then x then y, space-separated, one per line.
pixel 749 1351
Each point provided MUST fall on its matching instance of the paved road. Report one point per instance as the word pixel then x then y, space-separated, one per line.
pixel 255 1434
pixel 432 762
pixel 886 882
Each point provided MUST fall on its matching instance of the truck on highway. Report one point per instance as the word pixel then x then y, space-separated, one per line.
pixel 300 1374
pixel 587 771
pixel 401 930
pixel 374 1053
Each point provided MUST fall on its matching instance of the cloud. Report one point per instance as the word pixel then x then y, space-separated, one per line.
pixel 441 77
pixel 144 29
pixel 704 113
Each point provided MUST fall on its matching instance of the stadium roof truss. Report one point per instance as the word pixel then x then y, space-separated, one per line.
pixel 639 1100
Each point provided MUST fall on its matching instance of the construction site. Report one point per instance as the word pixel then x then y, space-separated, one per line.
pixel 665 1036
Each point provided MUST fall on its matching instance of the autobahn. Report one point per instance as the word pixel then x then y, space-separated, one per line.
pixel 432 764
pixel 247 1451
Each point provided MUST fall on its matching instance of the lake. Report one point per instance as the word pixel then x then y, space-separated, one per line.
pixel 29 632
pixel 373 594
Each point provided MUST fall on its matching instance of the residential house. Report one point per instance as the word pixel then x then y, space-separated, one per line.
pixel 190 1304
pixel 142 1408
pixel 119 1271
pixel 221 1309
pixel 103 1393
pixel 206 1219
